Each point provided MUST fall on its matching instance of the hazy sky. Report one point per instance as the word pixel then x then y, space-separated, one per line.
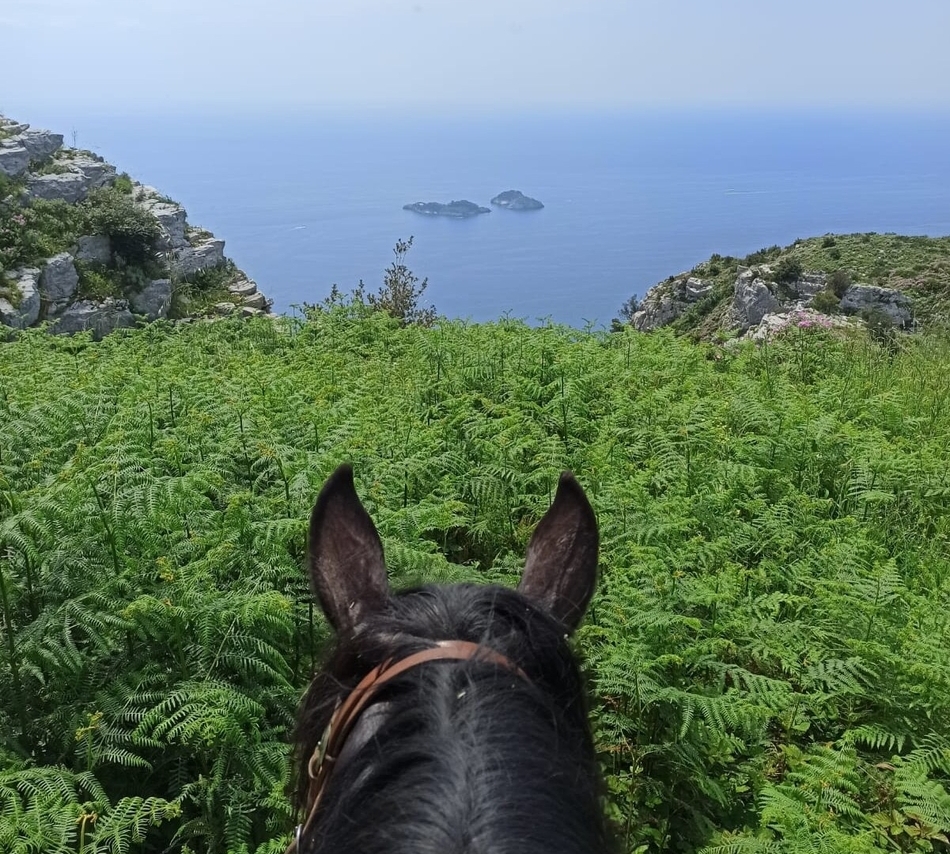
pixel 473 54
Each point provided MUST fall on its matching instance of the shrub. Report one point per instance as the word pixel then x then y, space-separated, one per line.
pixel 401 291
pixel 838 282
pixel 826 302
pixel 132 230
pixel 123 184
pixel 828 241
pixel 788 270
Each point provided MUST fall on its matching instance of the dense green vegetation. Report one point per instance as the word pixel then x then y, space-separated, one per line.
pixel 769 649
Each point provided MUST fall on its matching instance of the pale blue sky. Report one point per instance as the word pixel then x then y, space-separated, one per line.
pixel 127 55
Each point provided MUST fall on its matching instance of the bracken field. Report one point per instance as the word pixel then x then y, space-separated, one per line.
pixel 768 652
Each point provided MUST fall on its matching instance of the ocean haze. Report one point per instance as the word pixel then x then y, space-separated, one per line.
pixel 306 200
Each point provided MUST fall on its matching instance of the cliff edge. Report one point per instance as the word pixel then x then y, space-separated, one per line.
pixel 84 247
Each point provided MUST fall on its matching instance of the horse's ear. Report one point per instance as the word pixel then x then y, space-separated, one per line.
pixel 347 571
pixel 560 571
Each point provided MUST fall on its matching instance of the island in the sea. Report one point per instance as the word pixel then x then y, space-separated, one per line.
pixel 515 200
pixel 461 209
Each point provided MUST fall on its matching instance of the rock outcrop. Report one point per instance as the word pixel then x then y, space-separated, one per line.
pixel 665 302
pixel 21 307
pixel 515 200
pixel 100 318
pixel 53 288
pixel 760 304
pixel 896 306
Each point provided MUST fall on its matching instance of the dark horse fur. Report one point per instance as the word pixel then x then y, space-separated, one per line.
pixel 455 756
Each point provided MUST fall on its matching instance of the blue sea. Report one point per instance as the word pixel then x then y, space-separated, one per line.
pixel 312 199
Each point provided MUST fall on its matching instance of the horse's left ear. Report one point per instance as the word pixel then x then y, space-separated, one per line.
pixel 347 570
pixel 560 571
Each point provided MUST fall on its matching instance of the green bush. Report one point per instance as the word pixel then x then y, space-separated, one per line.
pixel 839 282
pixel 788 270
pixel 132 230
pixel 826 302
pixel 123 184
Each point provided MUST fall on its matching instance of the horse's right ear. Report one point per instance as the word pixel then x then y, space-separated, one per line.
pixel 560 572
pixel 347 570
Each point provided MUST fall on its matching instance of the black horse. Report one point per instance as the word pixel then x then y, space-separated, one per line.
pixel 452 718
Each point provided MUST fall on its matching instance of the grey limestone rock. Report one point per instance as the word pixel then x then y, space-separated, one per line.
pixel 224 308
pixel 93 249
pixel 666 301
pixel 59 280
pixel 14 159
pixel 27 309
pixel 171 217
pixel 84 173
pixel 894 304
pixel 102 318
pixel 751 302
pixel 204 253
pixel 153 300
pixel 41 144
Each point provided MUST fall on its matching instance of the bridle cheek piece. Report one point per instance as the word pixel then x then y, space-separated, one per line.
pixel 347 712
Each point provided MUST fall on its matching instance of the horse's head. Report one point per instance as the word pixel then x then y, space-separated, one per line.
pixel 505 706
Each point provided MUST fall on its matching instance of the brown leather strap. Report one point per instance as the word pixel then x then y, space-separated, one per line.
pixel 346 714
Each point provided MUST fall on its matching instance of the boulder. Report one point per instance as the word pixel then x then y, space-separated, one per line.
pixel 895 305
pixel 243 288
pixel 153 300
pixel 102 318
pixel 93 249
pixel 204 253
pixel 751 302
pixel 84 172
pixel 14 159
pixel 170 215
pixel 695 289
pixel 255 300
pixel 41 144
pixel 224 308
pixel 59 280
pixel 25 283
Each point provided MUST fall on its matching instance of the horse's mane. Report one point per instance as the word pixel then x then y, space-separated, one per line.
pixel 463 756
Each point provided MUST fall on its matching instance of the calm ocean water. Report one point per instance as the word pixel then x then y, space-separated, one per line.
pixel 308 201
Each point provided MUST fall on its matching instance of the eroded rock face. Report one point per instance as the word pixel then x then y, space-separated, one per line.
pixel 751 302
pixel 83 173
pixel 93 249
pixel 859 299
pixel 24 310
pixel 59 280
pixel 102 318
pixel 14 159
pixel 153 300
pixel 204 253
pixel 170 215
pixel 668 300
pixel 22 145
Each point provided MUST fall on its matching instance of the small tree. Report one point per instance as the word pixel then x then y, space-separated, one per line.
pixel 838 282
pixel 401 291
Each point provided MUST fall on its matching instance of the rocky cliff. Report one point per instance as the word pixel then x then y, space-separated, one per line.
pixel 83 247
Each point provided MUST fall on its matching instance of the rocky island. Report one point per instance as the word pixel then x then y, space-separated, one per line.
pixel 84 247
pixel 515 200
pixel 462 209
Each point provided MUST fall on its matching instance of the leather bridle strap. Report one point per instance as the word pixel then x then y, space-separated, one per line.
pixel 344 718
